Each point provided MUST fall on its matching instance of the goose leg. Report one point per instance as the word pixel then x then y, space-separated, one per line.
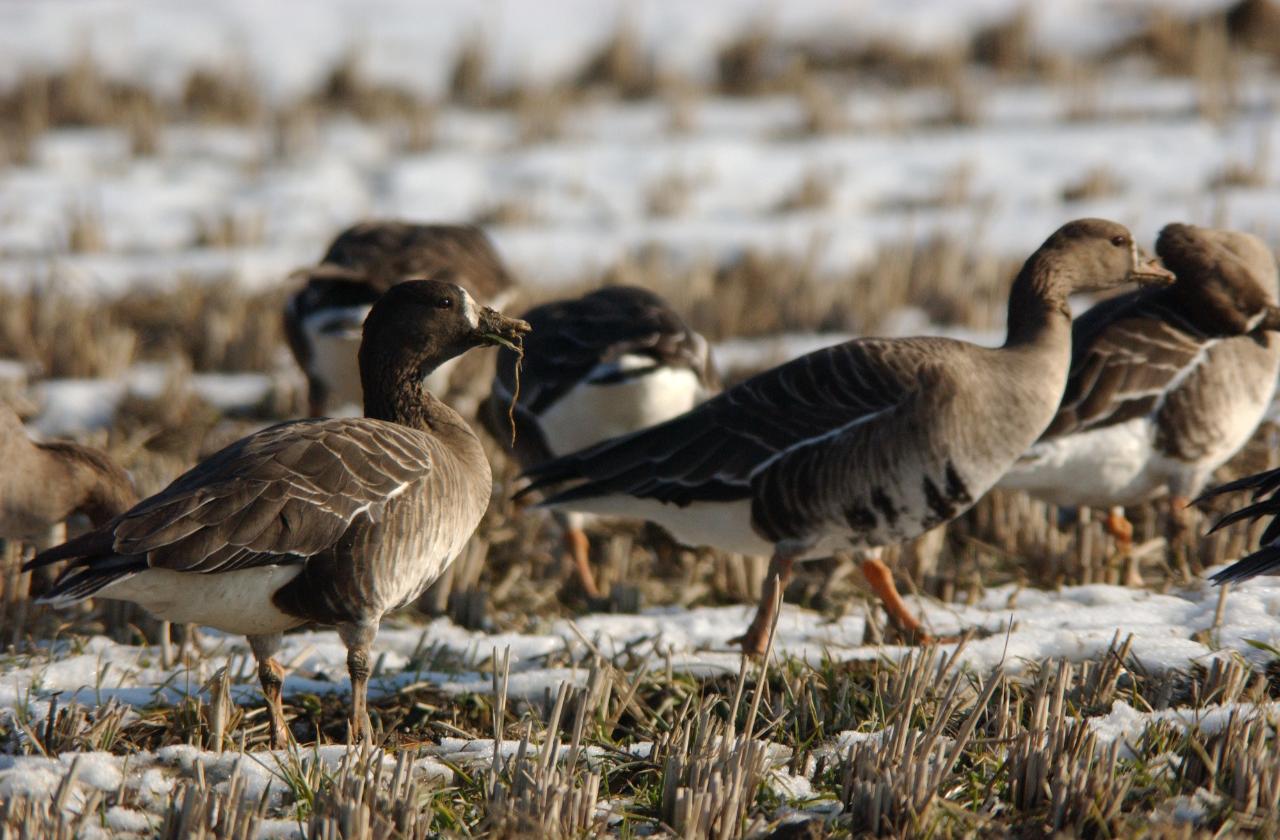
pixel 271 675
pixel 359 639
pixel 756 639
pixel 880 577
pixel 579 548
pixel 1121 530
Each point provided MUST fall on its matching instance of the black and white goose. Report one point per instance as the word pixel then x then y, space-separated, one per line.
pixel 334 521
pixel 322 319
pixel 598 366
pixel 865 443
pixel 1165 385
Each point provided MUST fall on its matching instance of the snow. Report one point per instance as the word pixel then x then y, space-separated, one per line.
pixel 1074 623
pixel 74 406
pixel 402 42
pixel 1126 724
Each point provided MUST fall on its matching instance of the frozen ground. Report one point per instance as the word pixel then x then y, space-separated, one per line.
pixel 1077 623
pixel 700 181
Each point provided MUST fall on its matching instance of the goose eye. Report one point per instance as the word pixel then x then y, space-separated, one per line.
pixel 1119 241
pixel 444 302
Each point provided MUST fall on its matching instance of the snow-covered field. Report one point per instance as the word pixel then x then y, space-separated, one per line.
pixel 826 169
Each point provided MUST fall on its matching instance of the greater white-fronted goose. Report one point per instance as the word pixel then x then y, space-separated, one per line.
pixel 335 521
pixel 598 366
pixel 865 443
pixel 1165 384
pixel 43 484
pixel 1265 502
pixel 322 319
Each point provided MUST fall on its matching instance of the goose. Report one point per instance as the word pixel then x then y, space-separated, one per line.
pixel 1165 384
pixel 335 521
pixel 43 484
pixel 597 366
pixel 865 443
pixel 1265 487
pixel 322 318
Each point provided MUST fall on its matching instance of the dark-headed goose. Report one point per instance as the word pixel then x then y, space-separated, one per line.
pixel 1165 384
pixel 322 319
pixel 335 521
pixel 867 443
pixel 44 484
pixel 610 362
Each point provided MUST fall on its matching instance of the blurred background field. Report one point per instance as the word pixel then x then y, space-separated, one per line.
pixel 787 175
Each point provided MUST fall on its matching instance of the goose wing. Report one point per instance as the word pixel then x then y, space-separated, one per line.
pixel 797 413
pixel 1128 353
pixel 281 495
pixel 1264 501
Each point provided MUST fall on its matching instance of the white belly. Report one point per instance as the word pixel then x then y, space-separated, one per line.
pixel 234 602
pixel 1115 465
pixel 590 413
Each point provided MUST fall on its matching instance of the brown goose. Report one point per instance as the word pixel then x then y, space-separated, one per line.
pixel 322 319
pixel 335 521
pixel 865 443
pixel 44 484
pixel 1165 384
pixel 610 362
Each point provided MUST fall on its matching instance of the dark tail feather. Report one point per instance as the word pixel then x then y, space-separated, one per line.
pixel 1262 562
pixel 84 548
pixel 1261 484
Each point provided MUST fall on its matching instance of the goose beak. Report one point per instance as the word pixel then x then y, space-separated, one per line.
pixel 496 328
pixel 1149 272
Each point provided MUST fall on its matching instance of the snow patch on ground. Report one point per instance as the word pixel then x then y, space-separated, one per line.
pixel 1075 623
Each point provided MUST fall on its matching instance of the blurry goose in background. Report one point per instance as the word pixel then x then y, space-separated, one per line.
pixel 322 319
pixel 610 362
pixel 866 443
pixel 334 521
pixel 1165 385
pixel 42 485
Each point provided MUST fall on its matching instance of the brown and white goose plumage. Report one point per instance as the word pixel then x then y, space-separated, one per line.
pixel 322 318
pixel 1166 384
pixel 43 484
pixel 597 366
pixel 865 443
pixel 334 521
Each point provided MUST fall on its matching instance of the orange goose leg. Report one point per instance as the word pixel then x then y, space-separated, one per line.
pixel 880 577
pixel 1121 530
pixel 579 549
